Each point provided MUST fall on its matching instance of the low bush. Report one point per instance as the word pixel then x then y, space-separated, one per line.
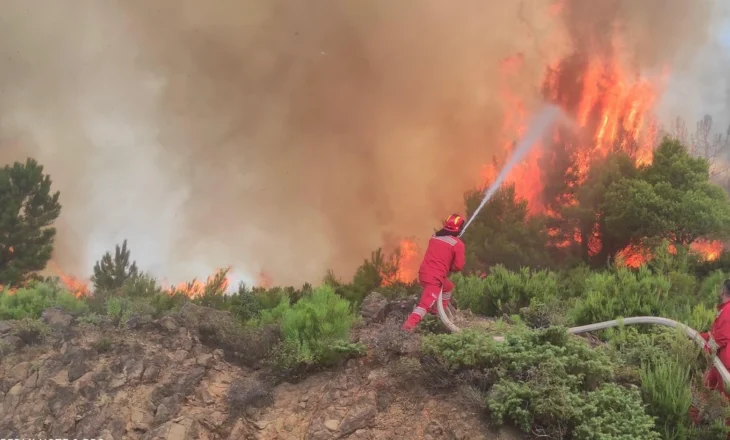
pixel 315 331
pixel 120 309
pixel 505 292
pixel 31 301
pixel 31 331
pixel 665 386
pixel 545 382
pixel 248 393
pixel 624 293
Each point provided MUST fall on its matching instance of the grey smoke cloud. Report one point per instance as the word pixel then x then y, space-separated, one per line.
pixel 282 136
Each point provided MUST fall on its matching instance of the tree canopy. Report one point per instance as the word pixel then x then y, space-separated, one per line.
pixel 616 205
pixel 503 233
pixel 27 210
pixel 670 199
pixel 111 273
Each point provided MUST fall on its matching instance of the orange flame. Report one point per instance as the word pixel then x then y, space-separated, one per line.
pixel 77 286
pixel 264 280
pixel 635 256
pixel 409 262
pixel 216 284
pixel 707 250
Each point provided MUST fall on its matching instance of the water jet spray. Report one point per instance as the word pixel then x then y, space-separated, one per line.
pixel 535 130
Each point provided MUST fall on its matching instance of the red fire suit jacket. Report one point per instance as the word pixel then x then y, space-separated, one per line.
pixel 720 334
pixel 444 254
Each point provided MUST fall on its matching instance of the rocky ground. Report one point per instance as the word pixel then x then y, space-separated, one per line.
pixel 177 378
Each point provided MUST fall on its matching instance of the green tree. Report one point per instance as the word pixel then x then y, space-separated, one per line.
pixel 112 273
pixel 588 215
pixel 504 233
pixel 27 210
pixel 670 199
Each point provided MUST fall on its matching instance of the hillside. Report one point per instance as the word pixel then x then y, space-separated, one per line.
pixel 178 378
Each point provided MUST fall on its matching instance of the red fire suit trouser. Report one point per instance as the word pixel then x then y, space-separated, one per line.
pixel 713 381
pixel 429 296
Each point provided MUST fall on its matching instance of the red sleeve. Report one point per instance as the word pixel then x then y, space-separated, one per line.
pixel 721 330
pixel 705 336
pixel 459 257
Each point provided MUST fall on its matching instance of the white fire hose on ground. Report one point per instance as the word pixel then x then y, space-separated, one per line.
pixel 691 333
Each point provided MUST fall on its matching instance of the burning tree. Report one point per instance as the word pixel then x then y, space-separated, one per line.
pixel 27 211
pixel 599 186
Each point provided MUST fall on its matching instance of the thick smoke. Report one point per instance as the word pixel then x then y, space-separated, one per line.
pixel 282 136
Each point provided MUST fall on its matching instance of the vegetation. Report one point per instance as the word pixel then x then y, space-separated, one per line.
pixel 112 273
pixel 633 382
pixel 27 210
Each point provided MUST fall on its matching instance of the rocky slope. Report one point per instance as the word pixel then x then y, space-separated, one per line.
pixel 183 377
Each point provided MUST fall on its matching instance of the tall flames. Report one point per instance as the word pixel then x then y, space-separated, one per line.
pixel 612 107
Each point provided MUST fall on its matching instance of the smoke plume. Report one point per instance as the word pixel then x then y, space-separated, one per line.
pixel 285 136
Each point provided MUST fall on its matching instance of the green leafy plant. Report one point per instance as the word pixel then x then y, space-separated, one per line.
pixel 315 329
pixel 33 300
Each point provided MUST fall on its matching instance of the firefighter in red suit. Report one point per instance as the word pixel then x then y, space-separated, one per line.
pixel 718 338
pixel 445 254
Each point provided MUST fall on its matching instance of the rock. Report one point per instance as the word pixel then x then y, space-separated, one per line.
pixel 168 324
pixel 261 424
pixel 163 413
pixel 332 424
pixel 239 431
pixel 138 321
pixel 151 373
pixel 214 420
pixel 204 359
pixel 117 382
pixel 204 395
pixel 374 308
pixel 61 400
pixel 176 432
pixel 32 380
pixel 12 341
pixel 360 416
pixel 56 317
pixel 16 390
pixel 186 344
pixel 20 371
pixel 140 419
pixel 179 355
pixel 5 327
pixel 134 369
pixel 76 370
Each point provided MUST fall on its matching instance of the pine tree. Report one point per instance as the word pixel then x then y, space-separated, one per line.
pixel 27 210
pixel 111 273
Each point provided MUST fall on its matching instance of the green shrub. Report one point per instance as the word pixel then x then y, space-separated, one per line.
pixel 31 301
pixel 710 287
pixel 31 331
pixel 121 309
pixel 624 293
pixel 469 291
pixel 102 345
pixel 665 386
pixel 545 382
pixel 140 286
pixel 505 292
pixel 316 330
pixel 614 412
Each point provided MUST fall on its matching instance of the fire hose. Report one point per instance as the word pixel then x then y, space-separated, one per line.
pixel 691 333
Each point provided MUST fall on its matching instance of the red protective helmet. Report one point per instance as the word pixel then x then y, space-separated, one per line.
pixel 454 223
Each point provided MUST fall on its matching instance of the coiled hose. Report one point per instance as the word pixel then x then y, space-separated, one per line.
pixel 691 333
